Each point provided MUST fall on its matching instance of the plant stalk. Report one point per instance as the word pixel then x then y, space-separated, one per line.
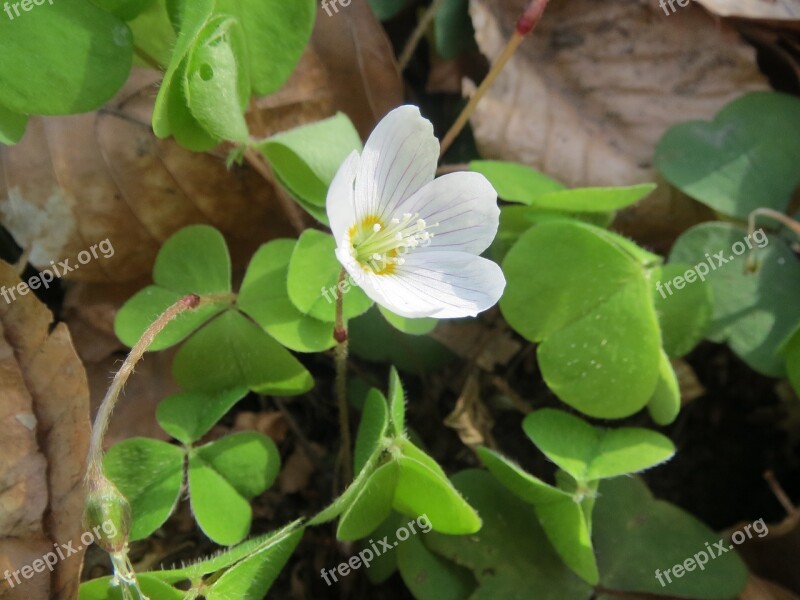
pixel 340 334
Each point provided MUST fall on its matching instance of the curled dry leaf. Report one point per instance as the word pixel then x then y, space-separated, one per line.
pixel 689 384
pixel 588 95
pixel 75 181
pixel 470 418
pixel 473 340
pixel 44 416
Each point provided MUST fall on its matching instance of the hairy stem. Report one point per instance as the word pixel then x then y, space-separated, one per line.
pixel 530 18
pixel 340 334
pixel 95 459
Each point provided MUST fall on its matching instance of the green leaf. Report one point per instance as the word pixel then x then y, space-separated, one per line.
pixel 12 126
pixel 684 317
pixel 149 473
pixel 248 460
pixel 216 89
pixel 593 200
pixel 372 429
pixel 76 71
pixel 515 182
pixel 306 159
pixel 453 29
pixel 194 260
pixel 232 351
pixel 428 575
pixel 221 512
pixel 251 578
pixel 313 278
pixel 510 557
pixel 154 34
pixel 422 491
pixel 599 337
pixel 587 452
pixel 385 9
pixel 791 349
pixel 124 9
pixel 373 339
pixel 265 299
pixel 383 565
pixel 140 311
pixel 742 160
pixel 560 514
pixel 409 326
pixel 371 505
pixel 752 312
pixel 188 416
pixel 665 404
pixel 104 588
pixel 277 32
pixel 343 502
pixel 637 536
pixel 397 404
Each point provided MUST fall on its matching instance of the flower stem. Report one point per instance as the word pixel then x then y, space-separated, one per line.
pixel 340 334
pixel 416 36
pixel 530 18
pixel 95 458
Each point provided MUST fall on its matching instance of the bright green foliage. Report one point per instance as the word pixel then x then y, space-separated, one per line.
pixel 510 557
pixel 428 575
pixel 264 297
pixel 588 453
pixel 754 312
pixel 453 29
pixel 744 159
pixel 375 336
pixel 64 58
pixel 636 534
pixel 188 416
pixel 246 571
pixel 665 404
pixel 229 341
pixel 515 182
pixel 313 268
pixel 306 159
pixel 124 9
pixel 406 325
pixel 12 126
pixel 394 474
pixel 223 476
pixel 684 316
pixel 226 50
pixel 584 294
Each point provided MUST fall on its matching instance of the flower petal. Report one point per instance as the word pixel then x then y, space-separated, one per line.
pixel 444 285
pixel 340 202
pixel 399 158
pixel 465 207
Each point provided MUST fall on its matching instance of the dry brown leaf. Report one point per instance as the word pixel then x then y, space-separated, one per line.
pixel 272 424
pixel 44 415
pixel 689 384
pixel 773 10
pixel 470 418
pixel 297 470
pixel 358 59
pixel 587 97
pixel 761 589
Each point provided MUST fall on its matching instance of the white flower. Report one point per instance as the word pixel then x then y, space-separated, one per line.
pixel 412 242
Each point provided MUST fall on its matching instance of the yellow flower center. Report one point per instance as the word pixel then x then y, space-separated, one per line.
pixel 379 247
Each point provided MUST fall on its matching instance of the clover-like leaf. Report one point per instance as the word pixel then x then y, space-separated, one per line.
pixel 232 351
pixel 371 505
pixel 188 416
pixel 76 71
pixel 665 404
pixel 683 316
pixel 313 279
pixel 409 326
pixel 587 452
pixel 306 159
pixel 595 321
pixel 105 588
pixel 515 182
pixel 742 160
pixel 264 297
pixel 149 473
pixel 223 476
pixel 12 126
pixel 791 350
pixel 372 429
pixel 754 312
